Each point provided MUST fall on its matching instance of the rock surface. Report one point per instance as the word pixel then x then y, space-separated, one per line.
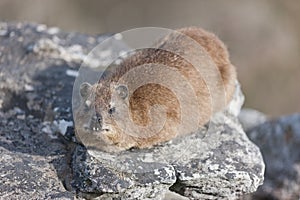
pixel 39 156
pixel 279 142
pixel 35 104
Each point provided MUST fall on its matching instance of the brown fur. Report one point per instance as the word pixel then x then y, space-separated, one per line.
pixel 111 137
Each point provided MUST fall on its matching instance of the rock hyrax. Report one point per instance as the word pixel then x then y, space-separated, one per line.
pixel 128 109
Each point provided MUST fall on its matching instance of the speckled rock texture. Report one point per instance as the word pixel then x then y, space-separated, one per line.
pixel 35 111
pixel 279 141
pixel 41 159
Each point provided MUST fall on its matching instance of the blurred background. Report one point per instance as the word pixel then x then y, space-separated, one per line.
pixel 263 36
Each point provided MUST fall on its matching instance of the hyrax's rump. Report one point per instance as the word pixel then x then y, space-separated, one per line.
pixel 157 93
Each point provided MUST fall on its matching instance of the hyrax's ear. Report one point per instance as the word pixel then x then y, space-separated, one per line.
pixel 122 91
pixel 85 89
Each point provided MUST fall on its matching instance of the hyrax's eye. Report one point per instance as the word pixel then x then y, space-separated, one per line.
pixel 122 91
pixel 111 110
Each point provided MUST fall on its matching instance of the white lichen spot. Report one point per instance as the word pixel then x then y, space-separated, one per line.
pixel 140 167
pixel 53 30
pixel 118 36
pixel 156 172
pixel 41 28
pixel 62 125
pixel 72 73
pixel 28 88
pixel 214 167
pixel 196 175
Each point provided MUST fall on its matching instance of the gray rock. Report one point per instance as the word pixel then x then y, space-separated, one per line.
pixel 35 102
pixel 216 162
pixel 279 142
pixel 29 177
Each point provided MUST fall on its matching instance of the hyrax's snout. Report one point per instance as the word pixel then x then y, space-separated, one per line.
pixel 94 124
